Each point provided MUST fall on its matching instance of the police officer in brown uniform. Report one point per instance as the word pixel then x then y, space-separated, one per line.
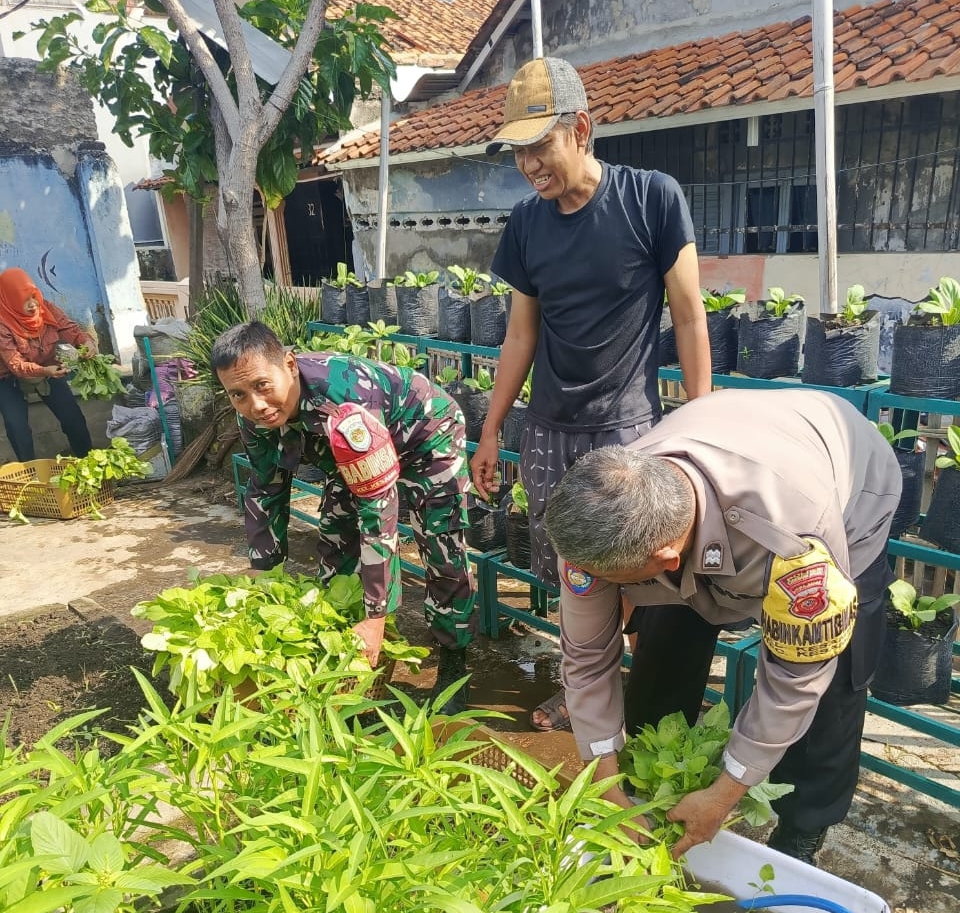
pixel 744 504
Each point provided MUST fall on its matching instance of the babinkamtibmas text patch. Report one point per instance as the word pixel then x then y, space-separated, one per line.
pixel 809 608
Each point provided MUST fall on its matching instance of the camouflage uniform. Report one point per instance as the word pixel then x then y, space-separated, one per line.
pixel 427 431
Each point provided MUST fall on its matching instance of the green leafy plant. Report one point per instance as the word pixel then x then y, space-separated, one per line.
pixel 447 375
pixel 778 302
pixel 221 306
pixel 891 435
pixel 526 391
pixel 666 762
pixel 500 288
pixel 96 376
pixel 854 305
pixel 518 494
pixel 765 876
pixel 344 277
pixel 943 302
pixel 91 874
pixel 467 280
pixel 483 382
pixel 410 279
pixel 229 630
pixel 915 609
pixel 87 475
pixel 953 440
pixel 720 301
pixel 403 356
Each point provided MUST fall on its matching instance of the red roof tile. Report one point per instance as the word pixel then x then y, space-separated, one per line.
pixel 444 27
pixel 905 40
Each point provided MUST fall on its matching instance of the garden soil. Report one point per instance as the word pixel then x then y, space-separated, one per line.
pixel 68 644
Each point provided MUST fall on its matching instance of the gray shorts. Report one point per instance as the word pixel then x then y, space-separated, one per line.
pixel 545 455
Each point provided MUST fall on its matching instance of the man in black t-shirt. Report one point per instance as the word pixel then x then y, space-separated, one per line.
pixel 590 255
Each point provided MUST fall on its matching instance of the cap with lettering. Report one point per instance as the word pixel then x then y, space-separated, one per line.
pixel 538 94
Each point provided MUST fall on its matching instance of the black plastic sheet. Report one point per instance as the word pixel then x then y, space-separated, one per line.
pixel 357 306
pixel 453 323
pixel 841 356
pixel 769 346
pixel 383 301
pixel 925 361
pixel 941 524
pixel 333 304
pixel 722 330
pixel 914 668
pixel 488 320
pixel 418 310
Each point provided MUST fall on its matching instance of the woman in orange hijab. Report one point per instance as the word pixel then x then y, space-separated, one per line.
pixel 30 328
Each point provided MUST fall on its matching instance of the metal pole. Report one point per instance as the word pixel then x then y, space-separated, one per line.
pixel 383 201
pixel 536 26
pixel 826 156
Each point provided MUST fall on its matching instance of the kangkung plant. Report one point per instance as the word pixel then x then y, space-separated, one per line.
pixel 467 280
pixel 318 805
pixel 721 301
pixel 916 610
pixel 500 288
pixel 345 276
pixel 778 302
pixel 943 302
pixel 666 762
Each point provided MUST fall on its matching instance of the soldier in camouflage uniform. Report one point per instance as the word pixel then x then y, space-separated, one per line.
pixel 371 428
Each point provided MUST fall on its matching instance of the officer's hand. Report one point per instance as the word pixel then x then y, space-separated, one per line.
pixel 56 370
pixel 704 811
pixel 484 466
pixel 370 630
pixel 89 350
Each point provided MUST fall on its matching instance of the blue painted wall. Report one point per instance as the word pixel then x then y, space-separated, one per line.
pixel 43 230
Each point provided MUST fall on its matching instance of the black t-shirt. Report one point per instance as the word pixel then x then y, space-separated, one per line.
pixel 598 275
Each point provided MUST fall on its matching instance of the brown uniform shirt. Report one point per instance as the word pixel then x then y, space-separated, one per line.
pixel 768 468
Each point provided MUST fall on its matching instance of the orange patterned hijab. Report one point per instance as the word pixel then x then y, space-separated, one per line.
pixel 15 287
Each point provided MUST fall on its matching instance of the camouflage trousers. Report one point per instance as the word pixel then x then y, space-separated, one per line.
pixel 434 481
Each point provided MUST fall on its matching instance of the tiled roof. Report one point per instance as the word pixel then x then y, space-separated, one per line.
pixel 911 40
pixel 432 27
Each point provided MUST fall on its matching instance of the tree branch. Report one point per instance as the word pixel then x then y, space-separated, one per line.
pixel 301 56
pixel 208 66
pixel 248 94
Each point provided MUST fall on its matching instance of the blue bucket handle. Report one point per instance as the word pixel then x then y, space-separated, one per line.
pixel 791 900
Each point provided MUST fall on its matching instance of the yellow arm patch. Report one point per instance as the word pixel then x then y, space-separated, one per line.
pixel 810 607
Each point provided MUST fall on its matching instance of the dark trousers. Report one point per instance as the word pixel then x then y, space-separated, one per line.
pixel 61 402
pixel 671 664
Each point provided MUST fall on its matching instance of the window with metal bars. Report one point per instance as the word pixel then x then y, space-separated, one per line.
pixel 897 173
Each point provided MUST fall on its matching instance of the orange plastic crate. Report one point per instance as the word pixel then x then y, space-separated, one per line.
pixel 27 487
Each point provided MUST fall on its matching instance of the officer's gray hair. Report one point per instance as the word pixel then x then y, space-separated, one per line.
pixel 615 507
pixel 569 121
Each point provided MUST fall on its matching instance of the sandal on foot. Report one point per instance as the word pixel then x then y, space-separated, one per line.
pixel 556 717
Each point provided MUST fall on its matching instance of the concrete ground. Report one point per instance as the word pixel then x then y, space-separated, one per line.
pixel 896 842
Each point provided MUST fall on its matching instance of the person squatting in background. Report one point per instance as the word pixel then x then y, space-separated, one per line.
pixel 30 328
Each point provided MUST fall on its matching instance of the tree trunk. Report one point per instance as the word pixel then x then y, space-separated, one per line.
pixel 237 165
